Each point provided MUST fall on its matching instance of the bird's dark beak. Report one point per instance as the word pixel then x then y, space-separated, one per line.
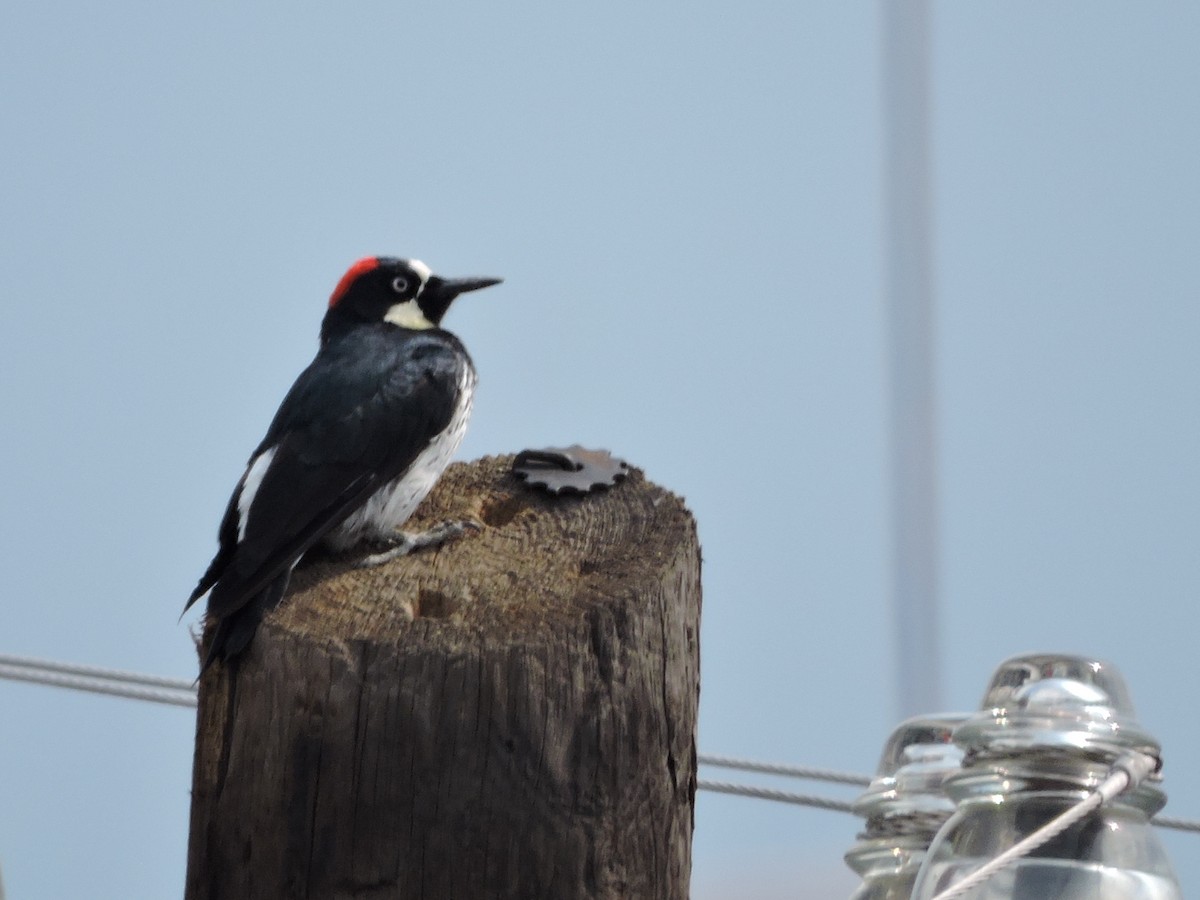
pixel 452 287
pixel 439 293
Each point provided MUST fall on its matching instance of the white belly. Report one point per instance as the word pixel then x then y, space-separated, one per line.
pixel 393 504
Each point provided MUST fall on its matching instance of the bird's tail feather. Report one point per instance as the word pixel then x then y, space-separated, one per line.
pixel 233 633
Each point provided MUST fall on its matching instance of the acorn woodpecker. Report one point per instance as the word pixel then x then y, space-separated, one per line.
pixel 359 440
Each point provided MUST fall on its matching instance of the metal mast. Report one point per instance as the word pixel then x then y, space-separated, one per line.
pixel 910 356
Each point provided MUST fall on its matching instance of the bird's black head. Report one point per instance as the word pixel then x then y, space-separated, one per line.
pixel 403 292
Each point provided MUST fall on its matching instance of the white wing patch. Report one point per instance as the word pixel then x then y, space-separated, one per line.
pixel 250 485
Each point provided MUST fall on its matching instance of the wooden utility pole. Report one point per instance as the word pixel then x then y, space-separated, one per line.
pixel 512 715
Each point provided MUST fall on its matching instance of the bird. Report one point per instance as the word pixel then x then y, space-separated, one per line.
pixel 359 440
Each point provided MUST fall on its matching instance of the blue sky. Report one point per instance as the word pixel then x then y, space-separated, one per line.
pixel 686 204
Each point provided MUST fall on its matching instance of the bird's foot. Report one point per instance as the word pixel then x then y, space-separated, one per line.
pixel 402 543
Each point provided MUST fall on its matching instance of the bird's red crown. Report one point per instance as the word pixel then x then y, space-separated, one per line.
pixel 364 265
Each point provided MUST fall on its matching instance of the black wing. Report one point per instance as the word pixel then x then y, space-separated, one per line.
pixel 355 419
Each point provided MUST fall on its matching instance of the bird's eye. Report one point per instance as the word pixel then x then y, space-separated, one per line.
pixel 399 284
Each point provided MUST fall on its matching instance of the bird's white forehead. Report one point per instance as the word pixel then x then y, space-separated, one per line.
pixel 423 271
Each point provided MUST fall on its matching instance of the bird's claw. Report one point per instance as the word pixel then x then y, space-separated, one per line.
pixel 402 543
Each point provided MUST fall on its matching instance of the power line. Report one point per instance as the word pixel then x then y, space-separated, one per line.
pixel 114 688
pixel 49 665
pixel 745 790
pixel 182 692
pixel 1176 823
pixel 766 768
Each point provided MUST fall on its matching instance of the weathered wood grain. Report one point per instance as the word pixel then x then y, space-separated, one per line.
pixel 512 715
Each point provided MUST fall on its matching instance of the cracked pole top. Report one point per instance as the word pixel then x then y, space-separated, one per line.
pixel 510 715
